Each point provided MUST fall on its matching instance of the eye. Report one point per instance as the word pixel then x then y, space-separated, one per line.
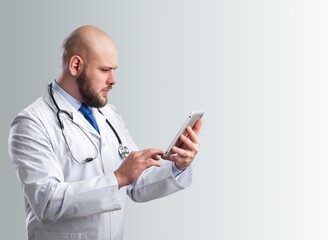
pixel 106 69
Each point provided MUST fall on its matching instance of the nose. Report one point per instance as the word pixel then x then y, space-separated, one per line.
pixel 111 79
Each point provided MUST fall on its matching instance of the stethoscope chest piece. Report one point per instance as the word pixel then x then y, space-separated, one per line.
pixel 123 151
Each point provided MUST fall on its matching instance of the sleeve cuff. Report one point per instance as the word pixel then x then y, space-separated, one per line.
pixel 175 171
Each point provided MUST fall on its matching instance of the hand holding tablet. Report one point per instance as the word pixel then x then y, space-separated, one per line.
pixel 190 122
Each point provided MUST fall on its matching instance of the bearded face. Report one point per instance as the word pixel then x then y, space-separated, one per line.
pixel 91 96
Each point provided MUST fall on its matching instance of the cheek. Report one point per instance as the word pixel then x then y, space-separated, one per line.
pixel 95 81
pixel 99 77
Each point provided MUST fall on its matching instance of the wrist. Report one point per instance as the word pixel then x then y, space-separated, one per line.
pixel 121 180
pixel 180 167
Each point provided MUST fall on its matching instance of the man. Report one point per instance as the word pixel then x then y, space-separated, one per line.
pixel 64 148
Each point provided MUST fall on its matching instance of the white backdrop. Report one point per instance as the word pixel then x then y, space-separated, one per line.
pixel 257 68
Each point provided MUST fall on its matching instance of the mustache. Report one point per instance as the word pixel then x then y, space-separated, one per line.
pixel 107 88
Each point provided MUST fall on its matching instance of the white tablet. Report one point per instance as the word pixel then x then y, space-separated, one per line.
pixel 190 122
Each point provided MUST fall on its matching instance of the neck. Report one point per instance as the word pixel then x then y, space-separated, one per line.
pixel 69 85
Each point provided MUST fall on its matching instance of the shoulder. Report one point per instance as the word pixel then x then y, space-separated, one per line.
pixel 31 109
pixel 37 112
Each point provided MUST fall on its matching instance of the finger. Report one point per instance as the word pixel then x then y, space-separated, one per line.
pixel 180 162
pixel 178 156
pixel 181 152
pixel 188 143
pixel 198 126
pixel 192 135
pixel 151 153
pixel 172 158
pixel 156 157
pixel 151 162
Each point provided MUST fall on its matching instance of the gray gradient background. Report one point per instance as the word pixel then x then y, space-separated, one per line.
pixel 257 68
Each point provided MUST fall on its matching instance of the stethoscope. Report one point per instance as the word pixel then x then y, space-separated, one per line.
pixel 122 150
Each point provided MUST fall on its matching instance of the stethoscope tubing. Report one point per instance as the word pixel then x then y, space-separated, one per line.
pixel 122 150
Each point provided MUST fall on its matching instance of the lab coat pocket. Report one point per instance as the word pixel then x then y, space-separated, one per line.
pixel 59 236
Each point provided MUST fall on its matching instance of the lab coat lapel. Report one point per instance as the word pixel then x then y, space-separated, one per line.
pixel 109 143
pixel 100 119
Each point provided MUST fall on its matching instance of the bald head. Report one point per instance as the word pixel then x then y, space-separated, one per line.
pixel 86 42
pixel 88 62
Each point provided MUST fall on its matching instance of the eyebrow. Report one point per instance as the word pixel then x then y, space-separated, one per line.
pixel 107 67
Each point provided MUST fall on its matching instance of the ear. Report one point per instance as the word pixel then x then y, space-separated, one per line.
pixel 75 65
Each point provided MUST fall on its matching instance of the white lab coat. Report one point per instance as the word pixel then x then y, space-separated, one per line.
pixel 68 200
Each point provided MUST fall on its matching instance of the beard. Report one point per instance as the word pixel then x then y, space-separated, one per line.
pixel 88 93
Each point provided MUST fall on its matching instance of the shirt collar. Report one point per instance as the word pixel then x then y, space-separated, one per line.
pixel 75 103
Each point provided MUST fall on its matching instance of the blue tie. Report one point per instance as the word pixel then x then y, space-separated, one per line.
pixel 84 109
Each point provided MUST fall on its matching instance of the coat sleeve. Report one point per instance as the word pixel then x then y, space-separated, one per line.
pixel 157 182
pixel 42 180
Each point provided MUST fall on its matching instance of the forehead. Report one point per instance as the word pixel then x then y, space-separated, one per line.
pixel 104 54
